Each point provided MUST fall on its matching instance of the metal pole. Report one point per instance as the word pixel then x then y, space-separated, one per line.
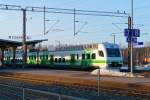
pixel 23 94
pixel 24 38
pixel 59 97
pixel 74 22
pixel 131 49
pixel 129 43
pixel 98 82
pixel 44 21
pixel 114 39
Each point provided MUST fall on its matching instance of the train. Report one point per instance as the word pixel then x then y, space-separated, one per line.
pixel 103 55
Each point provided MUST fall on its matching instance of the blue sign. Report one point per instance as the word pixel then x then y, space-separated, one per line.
pixel 132 32
pixel 135 32
pixel 140 43
pixel 133 39
pixel 126 32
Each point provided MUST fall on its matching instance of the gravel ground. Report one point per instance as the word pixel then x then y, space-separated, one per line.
pixel 12 93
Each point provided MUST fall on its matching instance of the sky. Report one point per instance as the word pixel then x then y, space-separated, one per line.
pixel 96 29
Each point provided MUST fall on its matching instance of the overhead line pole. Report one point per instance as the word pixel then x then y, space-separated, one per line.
pixel 44 22
pixel 24 38
pixel 131 49
pixel 114 38
pixel 74 19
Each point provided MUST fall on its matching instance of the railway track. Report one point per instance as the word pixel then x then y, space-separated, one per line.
pixel 43 81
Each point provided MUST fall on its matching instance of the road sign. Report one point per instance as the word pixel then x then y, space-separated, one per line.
pixel 132 32
pixel 133 39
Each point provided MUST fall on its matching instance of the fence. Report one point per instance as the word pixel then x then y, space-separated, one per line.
pixel 8 92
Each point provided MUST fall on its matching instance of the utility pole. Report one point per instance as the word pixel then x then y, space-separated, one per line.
pixel 44 22
pixel 131 49
pixel 74 21
pixel 114 37
pixel 129 43
pixel 24 38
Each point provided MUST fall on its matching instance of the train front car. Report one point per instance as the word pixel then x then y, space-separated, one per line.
pixel 113 55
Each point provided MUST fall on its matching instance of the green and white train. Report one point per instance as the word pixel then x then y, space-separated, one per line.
pixel 103 55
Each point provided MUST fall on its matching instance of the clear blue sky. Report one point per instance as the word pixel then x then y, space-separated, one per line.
pixel 97 29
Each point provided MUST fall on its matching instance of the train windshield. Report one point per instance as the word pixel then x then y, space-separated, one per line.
pixel 113 52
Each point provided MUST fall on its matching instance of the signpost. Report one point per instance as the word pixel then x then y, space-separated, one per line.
pixel 132 32
pixel 132 39
pixel 132 35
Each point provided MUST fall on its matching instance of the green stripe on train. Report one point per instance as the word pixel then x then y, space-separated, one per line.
pixel 75 62
pixel 99 61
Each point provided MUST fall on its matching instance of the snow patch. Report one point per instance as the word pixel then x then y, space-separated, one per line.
pixel 112 73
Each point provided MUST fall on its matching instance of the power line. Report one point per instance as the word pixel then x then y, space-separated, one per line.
pixel 78 12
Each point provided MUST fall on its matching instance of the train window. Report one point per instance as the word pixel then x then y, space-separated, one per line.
pixel 113 52
pixel 55 59
pixel 30 57
pixel 63 60
pixel 88 56
pixel 40 56
pixel 72 57
pixel 34 57
pixel 59 60
pixel 83 56
pixel 93 56
pixel 51 58
pixel 101 54
pixel 46 57
pixel 77 56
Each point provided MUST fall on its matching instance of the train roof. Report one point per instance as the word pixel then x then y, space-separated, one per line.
pixel 83 46
pixel 110 45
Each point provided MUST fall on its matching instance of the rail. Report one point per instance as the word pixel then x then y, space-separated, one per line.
pixel 119 91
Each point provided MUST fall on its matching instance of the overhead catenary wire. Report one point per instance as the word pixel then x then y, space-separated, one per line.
pixel 66 11
pixel 63 11
pixel 78 12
